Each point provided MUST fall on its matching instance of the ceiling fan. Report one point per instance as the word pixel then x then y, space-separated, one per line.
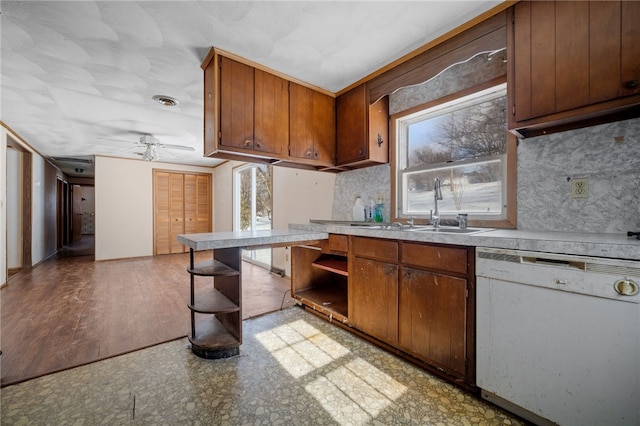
pixel 151 145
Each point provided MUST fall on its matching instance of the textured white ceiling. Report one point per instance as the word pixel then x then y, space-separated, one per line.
pixel 76 74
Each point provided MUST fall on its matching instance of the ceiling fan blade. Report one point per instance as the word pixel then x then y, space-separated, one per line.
pixel 181 147
pixel 117 140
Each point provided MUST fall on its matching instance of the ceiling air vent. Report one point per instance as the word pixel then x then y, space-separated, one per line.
pixel 73 160
pixel 166 100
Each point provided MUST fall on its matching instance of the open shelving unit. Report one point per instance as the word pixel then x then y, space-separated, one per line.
pixel 320 279
pixel 216 317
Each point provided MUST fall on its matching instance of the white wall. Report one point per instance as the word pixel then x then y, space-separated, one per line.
pixel 223 196
pixel 38 206
pixel 124 206
pixel 298 196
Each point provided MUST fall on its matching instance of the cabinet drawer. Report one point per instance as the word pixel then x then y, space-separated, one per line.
pixel 336 243
pixel 375 249
pixel 444 258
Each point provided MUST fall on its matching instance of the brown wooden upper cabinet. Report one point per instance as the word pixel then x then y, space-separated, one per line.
pixel 362 137
pixel 312 125
pixel 254 109
pixel 571 61
pixel 251 114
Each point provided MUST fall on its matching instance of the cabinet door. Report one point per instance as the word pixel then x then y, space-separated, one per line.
pixel 373 299
pixel 379 131
pixel 312 124
pixel 324 127
pixel 351 135
pixel 630 48
pixel 432 318
pixel 210 120
pixel 236 103
pixel 573 54
pixel 271 118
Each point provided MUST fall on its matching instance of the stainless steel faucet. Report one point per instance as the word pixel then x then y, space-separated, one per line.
pixel 437 195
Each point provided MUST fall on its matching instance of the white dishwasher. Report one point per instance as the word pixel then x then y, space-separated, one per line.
pixel 558 337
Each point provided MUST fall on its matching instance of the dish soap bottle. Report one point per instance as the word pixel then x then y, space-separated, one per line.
pixel 379 208
pixel 358 210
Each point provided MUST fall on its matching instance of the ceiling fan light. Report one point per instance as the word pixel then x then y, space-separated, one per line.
pixel 150 154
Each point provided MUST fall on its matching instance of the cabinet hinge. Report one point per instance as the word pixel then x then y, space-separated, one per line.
pixel 513 109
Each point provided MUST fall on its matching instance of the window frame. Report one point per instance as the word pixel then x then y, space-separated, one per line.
pixel 509 176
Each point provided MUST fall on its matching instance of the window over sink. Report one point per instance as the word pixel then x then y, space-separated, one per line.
pixel 463 141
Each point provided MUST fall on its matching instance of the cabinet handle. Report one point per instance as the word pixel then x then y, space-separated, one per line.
pixel 315 154
pixel 247 142
pixel 631 84
pixel 380 140
pixel 258 145
pixel 308 154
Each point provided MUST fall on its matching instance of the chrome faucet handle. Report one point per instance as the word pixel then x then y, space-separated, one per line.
pixel 411 221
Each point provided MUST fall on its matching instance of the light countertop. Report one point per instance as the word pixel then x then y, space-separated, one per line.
pixel 250 239
pixel 615 246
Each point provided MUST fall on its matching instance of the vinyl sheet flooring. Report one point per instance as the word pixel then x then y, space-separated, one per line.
pixel 293 369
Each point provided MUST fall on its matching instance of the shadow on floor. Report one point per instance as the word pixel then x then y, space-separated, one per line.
pixel 86 246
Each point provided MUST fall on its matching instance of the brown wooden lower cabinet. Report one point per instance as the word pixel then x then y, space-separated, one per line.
pixel 373 293
pixel 433 319
pixel 416 299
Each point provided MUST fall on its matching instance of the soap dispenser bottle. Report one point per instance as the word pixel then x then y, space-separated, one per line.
pixel 358 210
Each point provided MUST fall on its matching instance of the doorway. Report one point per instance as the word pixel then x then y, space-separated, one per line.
pixel 18 208
pixel 252 205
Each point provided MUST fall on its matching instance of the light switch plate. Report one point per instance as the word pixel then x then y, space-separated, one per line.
pixel 580 188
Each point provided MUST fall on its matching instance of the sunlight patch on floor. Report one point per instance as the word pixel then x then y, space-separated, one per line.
pixel 300 348
pixel 353 389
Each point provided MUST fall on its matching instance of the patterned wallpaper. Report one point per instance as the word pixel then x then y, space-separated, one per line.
pixel 608 155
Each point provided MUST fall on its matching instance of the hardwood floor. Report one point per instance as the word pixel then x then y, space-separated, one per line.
pixel 70 311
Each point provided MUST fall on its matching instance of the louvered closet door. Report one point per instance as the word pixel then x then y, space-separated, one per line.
pixel 190 204
pixel 182 205
pixel 203 205
pixel 176 211
pixel 161 213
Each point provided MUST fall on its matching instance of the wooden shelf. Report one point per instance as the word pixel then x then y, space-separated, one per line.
pixel 212 268
pixel 326 299
pixel 211 301
pixel 213 340
pixel 335 264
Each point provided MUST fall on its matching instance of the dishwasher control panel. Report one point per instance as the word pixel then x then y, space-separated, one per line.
pixel 593 276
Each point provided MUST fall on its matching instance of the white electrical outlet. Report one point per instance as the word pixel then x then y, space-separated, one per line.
pixel 580 188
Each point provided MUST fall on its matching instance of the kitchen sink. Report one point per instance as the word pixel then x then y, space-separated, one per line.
pixel 449 230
